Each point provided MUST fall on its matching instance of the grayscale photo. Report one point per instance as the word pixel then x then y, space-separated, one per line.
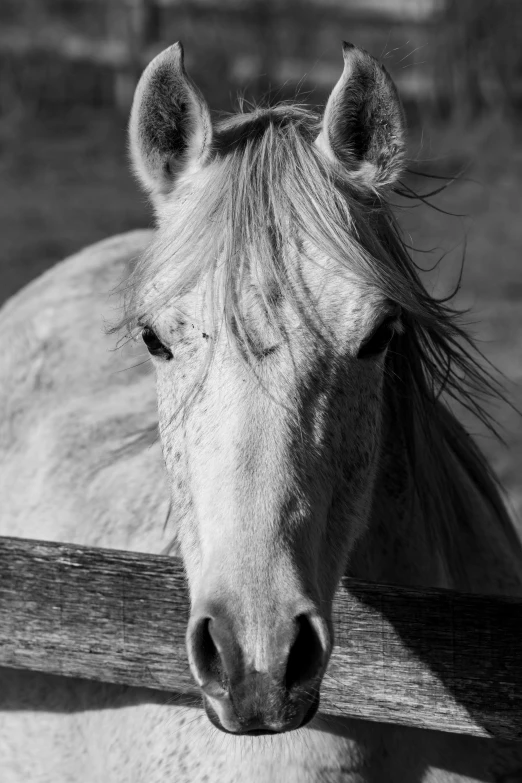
pixel 260 391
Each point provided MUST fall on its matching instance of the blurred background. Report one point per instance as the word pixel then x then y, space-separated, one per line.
pixel 68 69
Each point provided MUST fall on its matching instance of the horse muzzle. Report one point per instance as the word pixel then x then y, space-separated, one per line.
pixel 242 698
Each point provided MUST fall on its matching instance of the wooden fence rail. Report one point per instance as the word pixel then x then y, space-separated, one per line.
pixel 427 658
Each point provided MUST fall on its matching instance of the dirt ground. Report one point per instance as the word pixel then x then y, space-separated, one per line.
pixel 66 183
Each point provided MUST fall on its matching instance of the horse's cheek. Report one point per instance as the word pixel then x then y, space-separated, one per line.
pixel 170 391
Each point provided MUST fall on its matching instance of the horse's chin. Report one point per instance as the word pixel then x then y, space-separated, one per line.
pixel 257 727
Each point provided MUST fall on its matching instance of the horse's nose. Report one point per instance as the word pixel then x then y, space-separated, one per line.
pixel 248 691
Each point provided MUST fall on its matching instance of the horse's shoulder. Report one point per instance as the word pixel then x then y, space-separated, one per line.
pixel 64 312
pixel 72 405
pixel 97 269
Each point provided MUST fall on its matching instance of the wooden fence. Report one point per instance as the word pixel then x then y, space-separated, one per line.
pixel 433 659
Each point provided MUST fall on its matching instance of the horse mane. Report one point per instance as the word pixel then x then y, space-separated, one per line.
pixel 267 189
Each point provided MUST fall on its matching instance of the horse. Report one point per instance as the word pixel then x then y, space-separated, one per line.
pixel 304 381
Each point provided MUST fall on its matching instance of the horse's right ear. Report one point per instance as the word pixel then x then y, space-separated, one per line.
pixel 170 129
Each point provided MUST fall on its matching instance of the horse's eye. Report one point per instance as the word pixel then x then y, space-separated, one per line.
pixel 154 344
pixel 379 340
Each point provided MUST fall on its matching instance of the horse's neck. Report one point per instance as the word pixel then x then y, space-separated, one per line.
pixel 408 542
pixel 396 545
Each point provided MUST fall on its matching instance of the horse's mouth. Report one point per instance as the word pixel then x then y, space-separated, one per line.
pixel 258 726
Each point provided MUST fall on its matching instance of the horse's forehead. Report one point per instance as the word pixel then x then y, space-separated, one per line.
pixel 336 290
pixel 317 286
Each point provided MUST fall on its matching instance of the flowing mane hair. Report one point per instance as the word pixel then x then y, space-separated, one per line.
pixel 266 190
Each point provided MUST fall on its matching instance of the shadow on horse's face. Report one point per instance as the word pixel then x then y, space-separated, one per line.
pixel 269 375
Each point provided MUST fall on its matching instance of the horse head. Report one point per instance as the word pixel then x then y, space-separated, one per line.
pixel 268 328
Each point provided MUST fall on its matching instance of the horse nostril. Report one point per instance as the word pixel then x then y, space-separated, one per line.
pixel 306 656
pixel 205 655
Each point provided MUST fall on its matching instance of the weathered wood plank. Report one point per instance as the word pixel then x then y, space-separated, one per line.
pixel 428 658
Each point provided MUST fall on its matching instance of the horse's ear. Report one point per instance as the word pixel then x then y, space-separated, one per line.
pixel 363 124
pixel 170 129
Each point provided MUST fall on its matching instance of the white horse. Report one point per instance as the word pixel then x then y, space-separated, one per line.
pixel 299 368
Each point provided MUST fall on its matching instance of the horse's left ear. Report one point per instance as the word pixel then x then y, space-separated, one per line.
pixel 363 124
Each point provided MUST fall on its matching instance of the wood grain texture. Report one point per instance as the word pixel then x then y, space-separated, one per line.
pixel 427 658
